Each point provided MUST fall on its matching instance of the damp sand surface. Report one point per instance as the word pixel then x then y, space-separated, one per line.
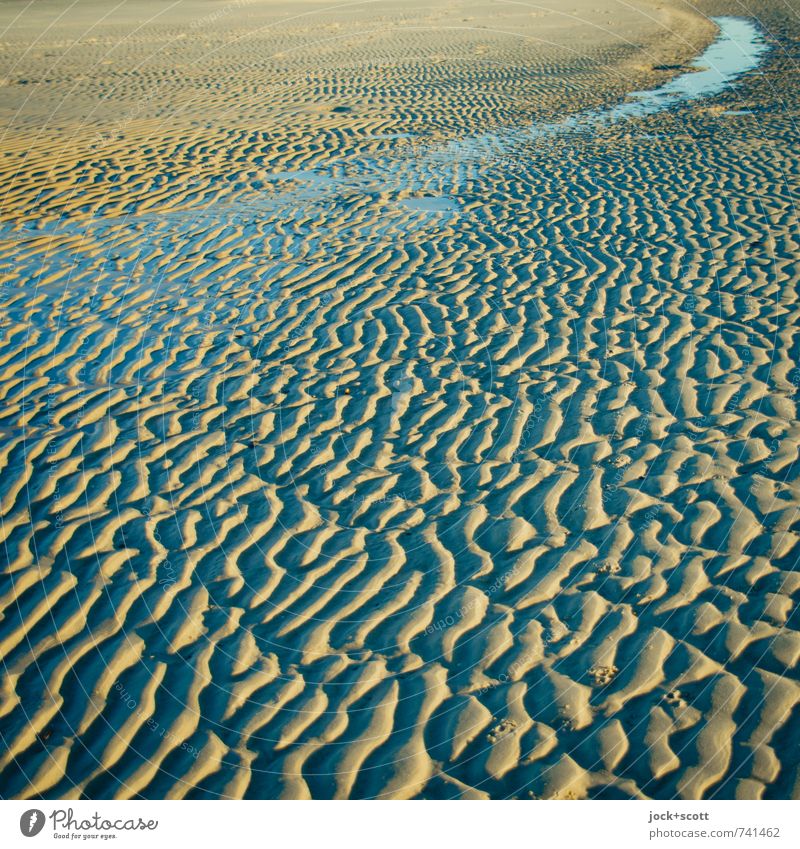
pixel 409 415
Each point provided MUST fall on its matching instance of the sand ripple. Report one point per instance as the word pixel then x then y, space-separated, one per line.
pixel 320 482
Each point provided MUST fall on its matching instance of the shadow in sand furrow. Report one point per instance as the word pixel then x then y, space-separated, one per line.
pixel 414 456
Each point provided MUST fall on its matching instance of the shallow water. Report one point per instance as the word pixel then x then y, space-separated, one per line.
pixel 738 48
pixel 344 472
pixel 430 204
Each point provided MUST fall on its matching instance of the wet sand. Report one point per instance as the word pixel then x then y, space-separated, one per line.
pixel 399 401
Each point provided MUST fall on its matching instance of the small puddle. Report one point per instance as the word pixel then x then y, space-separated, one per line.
pixel 430 204
pixel 390 136
pixel 303 176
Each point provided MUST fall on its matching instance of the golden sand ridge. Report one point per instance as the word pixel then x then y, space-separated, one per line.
pixel 360 441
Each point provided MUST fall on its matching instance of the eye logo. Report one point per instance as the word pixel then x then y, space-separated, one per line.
pixel 31 822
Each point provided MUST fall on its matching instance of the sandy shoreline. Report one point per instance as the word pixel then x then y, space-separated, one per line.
pixel 312 82
pixel 330 475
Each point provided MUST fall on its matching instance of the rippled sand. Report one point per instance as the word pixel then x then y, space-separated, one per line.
pixel 343 457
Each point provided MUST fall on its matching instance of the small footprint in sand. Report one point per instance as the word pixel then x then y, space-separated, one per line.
pixel 502 729
pixel 674 698
pixel 602 675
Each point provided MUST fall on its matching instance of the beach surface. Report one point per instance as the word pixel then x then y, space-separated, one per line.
pixel 399 400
